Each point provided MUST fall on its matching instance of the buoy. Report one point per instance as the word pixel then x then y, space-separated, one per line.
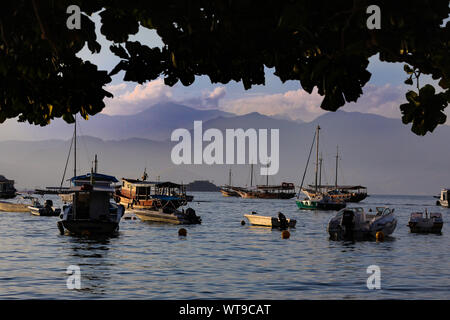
pixel 242 222
pixel 380 236
pixel 182 232
pixel 285 234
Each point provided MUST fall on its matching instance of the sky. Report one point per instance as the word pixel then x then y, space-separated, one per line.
pixel 382 95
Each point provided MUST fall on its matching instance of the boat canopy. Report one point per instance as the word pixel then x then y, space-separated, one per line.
pixel 96 176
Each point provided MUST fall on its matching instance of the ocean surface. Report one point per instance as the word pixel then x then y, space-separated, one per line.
pixel 221 259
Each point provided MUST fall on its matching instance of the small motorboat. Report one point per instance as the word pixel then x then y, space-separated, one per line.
pixel 355 224
pixel 45 210
pixel 164 215
pixel 429 224
pixel 273 222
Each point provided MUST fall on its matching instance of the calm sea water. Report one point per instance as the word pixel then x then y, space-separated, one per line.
pixel 220 259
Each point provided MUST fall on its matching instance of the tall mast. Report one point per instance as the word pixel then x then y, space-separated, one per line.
pixel 75 149
pixel 251 175
pixel 317 156
pixel 229 178
pixel 320 170
pixel 95 164
pixel 337 157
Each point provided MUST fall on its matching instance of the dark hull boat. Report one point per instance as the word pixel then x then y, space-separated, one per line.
pixel 419 224
pixel 7 190
pixel 283 191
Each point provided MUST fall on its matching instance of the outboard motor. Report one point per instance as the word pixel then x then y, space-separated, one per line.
pixel 190 213
pixel 283 221
pixel 348 222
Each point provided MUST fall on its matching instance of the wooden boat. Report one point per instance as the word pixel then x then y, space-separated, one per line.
pixel 273 222
pixel 13 207
pixel 420 224
pixel 228 191
pixel 284 191
pixel 355 224
pixel 141 194
pixel 46 210
pixel 168 216
pixel 7 190
pixel 316 199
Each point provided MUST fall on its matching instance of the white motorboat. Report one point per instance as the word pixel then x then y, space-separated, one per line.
pixel 428 224
pixel 273 222
pixel 355 224
pixel 46 210
pixel 173 216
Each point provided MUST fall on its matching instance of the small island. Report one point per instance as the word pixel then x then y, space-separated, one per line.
pixel 202 186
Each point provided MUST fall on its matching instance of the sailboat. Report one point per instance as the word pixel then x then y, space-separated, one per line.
pixel 90 210
pixel 351 193
pixel 317 200
pixel 285 190
pixel 228 190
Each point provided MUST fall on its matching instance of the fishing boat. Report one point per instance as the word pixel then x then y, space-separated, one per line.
pixel 317 200
pixel 90 210
pixel 273 222
pixel 443 199
pixel 142 194
pixel 166 215
pixel 46 210
pixel 7 190
pixel 355 224
pixel 285 190
pixel 429 224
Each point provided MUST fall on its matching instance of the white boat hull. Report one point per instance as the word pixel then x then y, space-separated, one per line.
pixel 265 221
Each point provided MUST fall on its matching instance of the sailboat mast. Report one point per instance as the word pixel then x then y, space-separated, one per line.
pixel 337 157
pixel 75 149
pixel 229 178
pixel 317 156
pixel 251 175
pixel 320 170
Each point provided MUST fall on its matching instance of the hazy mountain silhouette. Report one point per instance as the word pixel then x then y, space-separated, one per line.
pixel 378 152
pixel 156 123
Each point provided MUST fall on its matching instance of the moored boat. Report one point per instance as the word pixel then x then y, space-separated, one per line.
pixel 356 224
pixel 174 216
pixel 273 222
pixel 429 224
pixel 443 199
pixel 284 191
pixel 320 202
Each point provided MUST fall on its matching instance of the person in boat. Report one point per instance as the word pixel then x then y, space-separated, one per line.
pixel 283 221
pixel 348 221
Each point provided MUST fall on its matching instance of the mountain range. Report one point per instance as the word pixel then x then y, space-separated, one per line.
pixel 374 151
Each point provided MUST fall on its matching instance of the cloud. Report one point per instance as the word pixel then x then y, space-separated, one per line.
pixel 296 104
pixel 300 105
pixel 140 97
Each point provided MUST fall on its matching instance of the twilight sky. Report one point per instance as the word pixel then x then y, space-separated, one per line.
pixel 382 95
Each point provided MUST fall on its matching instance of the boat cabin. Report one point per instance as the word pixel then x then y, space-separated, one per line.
pixel 140 190
pixel 7 189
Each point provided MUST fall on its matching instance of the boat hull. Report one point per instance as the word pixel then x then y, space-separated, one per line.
pixel 159 216
pixel 13 207
pixel 264 195
pixel 317 205
pixel 265 221
pixel 419 224
pixel 89 227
